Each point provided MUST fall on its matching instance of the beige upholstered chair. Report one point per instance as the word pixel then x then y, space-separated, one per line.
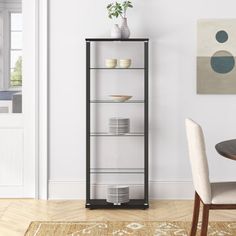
pixel 212 195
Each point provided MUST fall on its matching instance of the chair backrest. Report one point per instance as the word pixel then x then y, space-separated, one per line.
pixel 198 160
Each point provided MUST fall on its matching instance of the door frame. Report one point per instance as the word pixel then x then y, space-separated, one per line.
pixel 42 150
pixel 35 14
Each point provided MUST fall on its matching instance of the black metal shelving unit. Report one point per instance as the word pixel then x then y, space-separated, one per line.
pixel 101 203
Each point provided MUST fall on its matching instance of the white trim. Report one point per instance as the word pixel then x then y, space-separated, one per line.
pixel 42 99
pixel 29 100
pixel 37 10
pixel 158 189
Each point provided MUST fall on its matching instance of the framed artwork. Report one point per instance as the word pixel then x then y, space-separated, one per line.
pixel 216 56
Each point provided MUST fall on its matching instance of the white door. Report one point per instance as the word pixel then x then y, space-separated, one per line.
pixel 18 125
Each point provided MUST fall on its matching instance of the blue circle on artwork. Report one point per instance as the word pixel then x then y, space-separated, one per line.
pixel 222 62
pixel 222 36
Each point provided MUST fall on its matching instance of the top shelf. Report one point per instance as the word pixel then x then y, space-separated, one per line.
pixel 117 40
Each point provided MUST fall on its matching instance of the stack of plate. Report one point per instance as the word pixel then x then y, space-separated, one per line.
pixel 117 194
pixel 119 125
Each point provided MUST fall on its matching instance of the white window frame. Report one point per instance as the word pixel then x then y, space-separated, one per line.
pixel 6 8
pixel 8 78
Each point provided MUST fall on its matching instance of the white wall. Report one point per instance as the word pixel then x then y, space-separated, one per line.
pixel 171 27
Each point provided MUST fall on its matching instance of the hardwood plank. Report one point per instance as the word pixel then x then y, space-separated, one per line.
pixel 16 214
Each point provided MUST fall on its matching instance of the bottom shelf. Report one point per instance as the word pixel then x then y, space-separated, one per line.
pixel 103 204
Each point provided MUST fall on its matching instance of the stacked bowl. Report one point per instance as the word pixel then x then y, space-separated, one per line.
pixel 125 63
pixel 119 126
pixel 117 194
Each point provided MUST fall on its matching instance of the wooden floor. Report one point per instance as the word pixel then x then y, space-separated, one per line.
pixel 15 215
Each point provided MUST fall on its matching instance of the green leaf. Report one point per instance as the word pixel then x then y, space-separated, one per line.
pixel 109 5
pixel 117 9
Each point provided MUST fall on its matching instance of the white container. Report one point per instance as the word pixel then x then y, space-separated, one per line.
pixel 116 32
pixel 125 32
pixel 111 63
pixel 125 63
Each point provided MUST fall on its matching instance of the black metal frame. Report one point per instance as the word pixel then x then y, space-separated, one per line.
pixel 101 203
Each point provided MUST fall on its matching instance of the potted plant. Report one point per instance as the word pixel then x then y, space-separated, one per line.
pixel 115 10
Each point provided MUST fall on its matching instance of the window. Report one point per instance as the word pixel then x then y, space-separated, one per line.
pixel 15 65
pixel 11 32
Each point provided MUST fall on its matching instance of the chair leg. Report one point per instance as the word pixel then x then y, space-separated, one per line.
pixel 195 215
pixel 205 217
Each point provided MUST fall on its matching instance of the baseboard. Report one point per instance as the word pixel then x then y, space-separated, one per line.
pixel 157 190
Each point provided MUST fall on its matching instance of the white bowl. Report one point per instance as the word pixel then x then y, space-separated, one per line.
pixel 120 98
pixel 111 63
pixel 125 63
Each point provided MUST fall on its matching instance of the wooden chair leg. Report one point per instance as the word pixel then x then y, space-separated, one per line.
pixel 195 215
pixel 205 217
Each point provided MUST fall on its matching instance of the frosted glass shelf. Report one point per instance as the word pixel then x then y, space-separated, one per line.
pixel 117 171
pixel 104 68
pixel 116 135
pixel 111 101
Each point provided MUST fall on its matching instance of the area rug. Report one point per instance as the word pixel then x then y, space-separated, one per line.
pixel 123 228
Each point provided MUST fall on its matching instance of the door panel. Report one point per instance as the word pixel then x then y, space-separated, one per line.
pixel 11 156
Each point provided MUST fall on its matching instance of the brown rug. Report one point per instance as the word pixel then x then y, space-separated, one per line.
pixel 123 228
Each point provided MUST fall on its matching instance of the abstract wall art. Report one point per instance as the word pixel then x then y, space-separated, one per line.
pixel 216 56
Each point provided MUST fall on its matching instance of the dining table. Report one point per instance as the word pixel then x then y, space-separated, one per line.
pixel 227 149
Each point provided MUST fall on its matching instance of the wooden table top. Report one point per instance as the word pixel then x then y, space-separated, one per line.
pixel 227 149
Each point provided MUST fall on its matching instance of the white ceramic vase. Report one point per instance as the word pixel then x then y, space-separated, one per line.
pixel 116 32
pixel 125 32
